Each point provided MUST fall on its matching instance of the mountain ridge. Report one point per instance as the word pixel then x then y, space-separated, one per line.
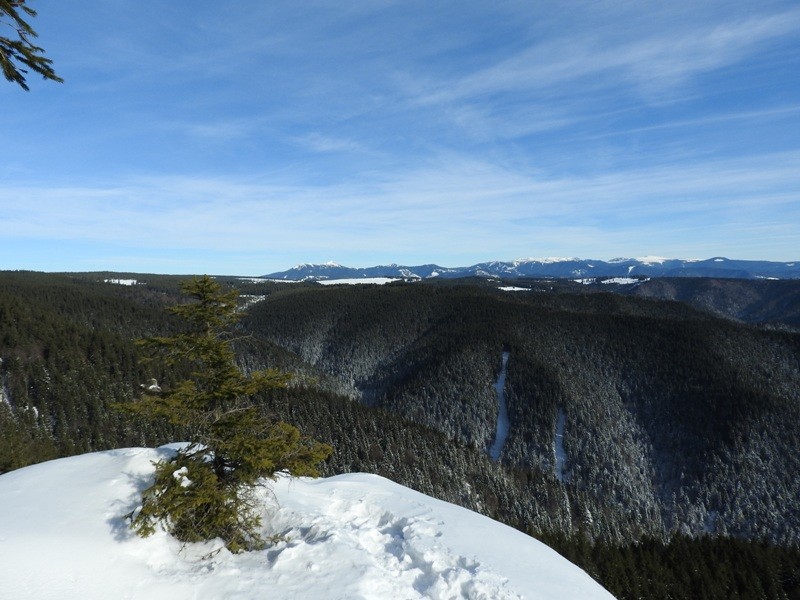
pixel 558 268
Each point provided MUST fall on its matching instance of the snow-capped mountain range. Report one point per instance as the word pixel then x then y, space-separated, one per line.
pixel 648 266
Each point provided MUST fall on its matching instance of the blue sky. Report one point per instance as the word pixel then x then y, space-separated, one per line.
pixel 245 137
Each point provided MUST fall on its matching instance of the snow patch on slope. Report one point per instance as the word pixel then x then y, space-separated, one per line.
pixel 652 260
pixel 355 281
pixel 624 280
pixel 549 260
pixel 122 281
pixel 248 300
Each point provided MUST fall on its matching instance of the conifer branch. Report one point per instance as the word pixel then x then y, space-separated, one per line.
pixel 21 55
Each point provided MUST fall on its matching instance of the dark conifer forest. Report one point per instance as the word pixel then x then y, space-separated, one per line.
pixel 681 416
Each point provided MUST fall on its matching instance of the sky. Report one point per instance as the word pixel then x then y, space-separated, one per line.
pixel 245 137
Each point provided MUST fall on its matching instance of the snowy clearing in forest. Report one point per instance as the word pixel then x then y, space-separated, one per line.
pixel 122 281
pixel 624 280
pixel 355 281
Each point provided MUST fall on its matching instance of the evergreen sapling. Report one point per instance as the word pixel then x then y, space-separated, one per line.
pixel 206 490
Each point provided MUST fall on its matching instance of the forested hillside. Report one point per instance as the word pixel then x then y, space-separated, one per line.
pixel 674 421
pixel 67 353
pixel 773 303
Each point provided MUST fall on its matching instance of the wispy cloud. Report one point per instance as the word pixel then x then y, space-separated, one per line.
pixel 317 142
pixel 451 130
pixel 416 208
pixel 653 63
pixel 227 129
pixel 768 114
pixel 572 77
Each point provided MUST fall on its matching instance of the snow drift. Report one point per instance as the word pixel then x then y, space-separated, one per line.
pixel 63 535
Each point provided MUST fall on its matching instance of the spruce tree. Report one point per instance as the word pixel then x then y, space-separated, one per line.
pixel 206 490
pixel 18 56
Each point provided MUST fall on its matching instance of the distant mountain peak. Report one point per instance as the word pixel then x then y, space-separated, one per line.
pixel 549 260
pixel 653 259
pixel 557 268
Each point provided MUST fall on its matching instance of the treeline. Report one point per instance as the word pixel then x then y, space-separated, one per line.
pixel 768 303
pixel 773 303
pixel 66 355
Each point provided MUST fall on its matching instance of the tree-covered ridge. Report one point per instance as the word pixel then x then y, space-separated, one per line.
pixel 67 352
pixel 764 301
pixel 708 568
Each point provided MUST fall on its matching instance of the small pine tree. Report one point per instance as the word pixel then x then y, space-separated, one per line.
pixel 206 490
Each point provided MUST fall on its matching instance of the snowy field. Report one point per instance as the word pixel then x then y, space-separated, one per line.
pixel 374 280
pixel 617 280
pixel 122 281
pixel 63 537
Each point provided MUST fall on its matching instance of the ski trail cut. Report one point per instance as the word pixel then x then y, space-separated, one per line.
pixel 502 412
pixel 561 454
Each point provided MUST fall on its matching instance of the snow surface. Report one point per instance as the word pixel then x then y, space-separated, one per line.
pixel 549 260
pixel 651 260
pixel 122 281
pixel 376 280
pixel 63 537
pixel 330 263
pixel 512 288
pixel 617 280
pixel 265 280
pixel 623 280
